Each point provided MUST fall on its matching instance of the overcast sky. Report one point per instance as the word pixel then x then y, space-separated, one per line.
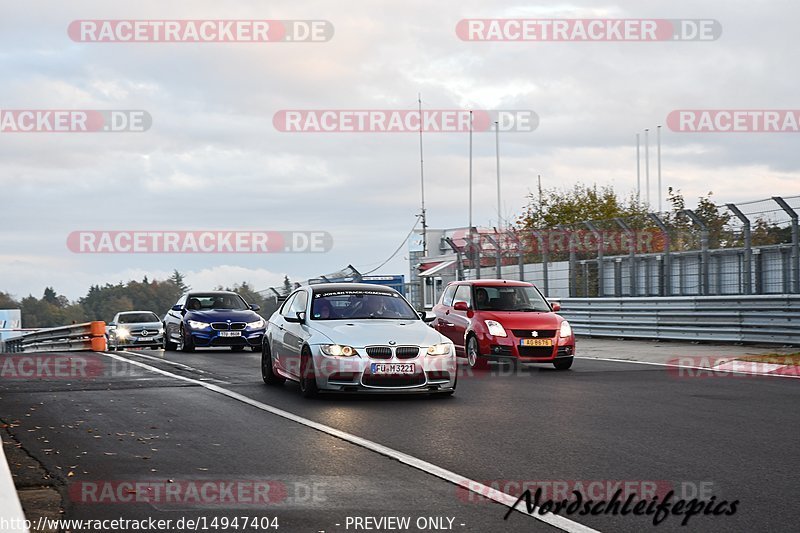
pixel 213 159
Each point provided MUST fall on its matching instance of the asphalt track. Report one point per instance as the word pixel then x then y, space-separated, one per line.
pixel 206 418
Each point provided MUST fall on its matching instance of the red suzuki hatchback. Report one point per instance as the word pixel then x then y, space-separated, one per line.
pixel 503 320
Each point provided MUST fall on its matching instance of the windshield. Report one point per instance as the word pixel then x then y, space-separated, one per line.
pixel 360 304
pixel 137 318
pixel 204 302
pixel 509 299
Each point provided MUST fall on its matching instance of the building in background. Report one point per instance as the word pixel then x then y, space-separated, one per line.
pixel 10 319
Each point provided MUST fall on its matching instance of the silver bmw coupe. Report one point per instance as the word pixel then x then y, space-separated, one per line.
pixel 352 337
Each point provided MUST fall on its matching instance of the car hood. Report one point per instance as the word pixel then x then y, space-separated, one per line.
pixel 223 315
pixel 360 333
pixel 522 319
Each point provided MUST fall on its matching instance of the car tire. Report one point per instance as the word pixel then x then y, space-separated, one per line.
pixel 308 379
pixel 109 348
pixel 187 344
pixel 267 369
pixel 169 346
pixel 237 348
pixel 563 363
pixel 473 355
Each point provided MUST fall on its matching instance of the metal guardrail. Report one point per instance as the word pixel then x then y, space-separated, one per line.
pixel 761 318
pixel 90 336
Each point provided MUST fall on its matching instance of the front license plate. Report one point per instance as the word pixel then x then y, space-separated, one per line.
pixel 393 368
pixel 230 333
pixel 536 342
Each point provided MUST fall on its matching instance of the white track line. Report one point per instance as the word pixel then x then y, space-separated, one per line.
pixel 560 522
pixel 708 369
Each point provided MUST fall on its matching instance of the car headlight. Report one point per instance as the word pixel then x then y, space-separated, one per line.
pixel 338 350
pixel 566 329
pixel 495 328
pixel 440 349
pixel 258 324
pixel 122 333
pixel 194 324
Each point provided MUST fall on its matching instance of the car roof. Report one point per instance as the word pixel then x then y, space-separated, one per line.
pixel 134 312
pixel 319 287
pixel 220 293
pixel 494 283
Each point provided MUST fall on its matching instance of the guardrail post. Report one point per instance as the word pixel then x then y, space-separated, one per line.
pixel 459 260
pixel 666 280
pixel 704 256
pixel 600 266
pixel 795 241
pixel 748 247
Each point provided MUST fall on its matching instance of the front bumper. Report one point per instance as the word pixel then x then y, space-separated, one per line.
pixel 209 338
pixel 134 341
pixel 431 373
pixel 510 348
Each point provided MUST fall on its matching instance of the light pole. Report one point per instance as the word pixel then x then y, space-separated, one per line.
pixel 497 151
pixel 647 164
pixel 422 183
pixel 658 139
pixel 638 172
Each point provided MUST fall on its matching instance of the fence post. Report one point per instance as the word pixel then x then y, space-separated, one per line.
pixel 498 256
pixel 795 241
pixel 459 259
pixel 544 246
pixel 520 254
pixel 666 280
pixel 600 267
pixel 748 247
pixel 632 245
pixel 704 287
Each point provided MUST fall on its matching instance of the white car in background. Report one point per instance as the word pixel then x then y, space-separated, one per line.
pixel 135 329
pixel 352 337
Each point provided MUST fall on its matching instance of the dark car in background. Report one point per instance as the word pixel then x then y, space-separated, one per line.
pixel 503 320
pixel 213 319
pixel 135 329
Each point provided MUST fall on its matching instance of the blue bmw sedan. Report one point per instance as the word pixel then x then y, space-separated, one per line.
pixel 213 319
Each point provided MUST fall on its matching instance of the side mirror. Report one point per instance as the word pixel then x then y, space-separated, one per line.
pixel 112 324
pixel 298 318
pixel 424 316
pixel 461 306
pixel 177 307
pixel 556 306
pixel 255 307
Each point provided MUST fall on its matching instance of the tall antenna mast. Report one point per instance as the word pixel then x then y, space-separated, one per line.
pixel 422 182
